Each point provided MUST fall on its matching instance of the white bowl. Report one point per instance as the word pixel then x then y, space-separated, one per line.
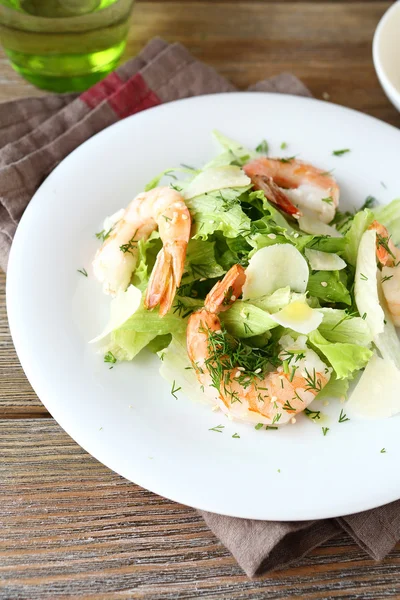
pixel 386 53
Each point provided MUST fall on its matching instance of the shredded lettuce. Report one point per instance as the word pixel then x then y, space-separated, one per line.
pixel 345 358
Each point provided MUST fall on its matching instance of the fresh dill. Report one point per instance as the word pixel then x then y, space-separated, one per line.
pixel 110 358
pixel 236 436
pixel 130 245
pixel 325 430
pixel 103 234
pixel 313 383
pixel 328 200
pixel 83 272
pixel 288 407
pixel 217 428
pixel 386 278
pixel 363 277
pixel 263 147
pixel 384 243
pixel 383 451
pixel 315 415
pixel 370 201
pixel 341 152
pixel 343 417
pixel 259 426
pixel 175 389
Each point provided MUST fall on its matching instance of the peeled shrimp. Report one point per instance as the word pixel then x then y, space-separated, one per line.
pixel 273 397
pixel 389 256
pixel 295 187
pixel 161 208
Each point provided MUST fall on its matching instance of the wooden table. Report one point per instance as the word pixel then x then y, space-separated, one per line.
pixel 70 527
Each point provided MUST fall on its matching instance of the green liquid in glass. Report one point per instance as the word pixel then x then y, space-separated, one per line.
pixel 65 58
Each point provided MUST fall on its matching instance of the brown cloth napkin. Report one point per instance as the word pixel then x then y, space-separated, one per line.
pixel 37 133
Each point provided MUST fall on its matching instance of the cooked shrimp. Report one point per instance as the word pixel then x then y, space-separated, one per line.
pixel 272 397
pixel 161 208
pixel 389 256
pixel 295 186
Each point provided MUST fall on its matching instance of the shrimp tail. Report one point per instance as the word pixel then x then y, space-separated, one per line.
pixel 274 194
pixel 165 277
pixel 225 292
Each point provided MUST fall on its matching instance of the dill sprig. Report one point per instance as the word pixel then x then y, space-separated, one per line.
pixel 384 243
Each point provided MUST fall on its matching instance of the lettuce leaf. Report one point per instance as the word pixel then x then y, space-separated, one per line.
pixel 245 320
pixel 335 388
pixel 125 345
pixel 235 153
pixel 200 262
pixel 150 322
pixel 218 211
pixel 334 291
pixel 339 326
pixel 345 358
pixel 360 223
pixel 389 216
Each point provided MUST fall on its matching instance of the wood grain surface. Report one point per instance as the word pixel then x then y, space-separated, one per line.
pixel 69 527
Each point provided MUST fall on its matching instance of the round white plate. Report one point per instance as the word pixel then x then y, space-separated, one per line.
pixel 126 416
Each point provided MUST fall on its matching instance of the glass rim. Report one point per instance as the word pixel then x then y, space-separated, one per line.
pixel 26 22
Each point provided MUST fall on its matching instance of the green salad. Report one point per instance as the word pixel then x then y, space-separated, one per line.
pixel 256 291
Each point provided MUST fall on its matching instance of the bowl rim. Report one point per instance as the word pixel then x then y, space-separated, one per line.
pixel 386 82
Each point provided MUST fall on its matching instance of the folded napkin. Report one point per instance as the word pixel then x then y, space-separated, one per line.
pixel 37 133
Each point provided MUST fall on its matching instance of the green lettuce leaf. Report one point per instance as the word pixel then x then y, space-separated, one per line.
pixel 334 291
pixel 245 320
pixel 235 153
pixel 335 388
pixel 344 358
pixel 360 223
pixel 339 326
pixel 218 211
pixel 200 262
pixel 389 216
pixel 125 345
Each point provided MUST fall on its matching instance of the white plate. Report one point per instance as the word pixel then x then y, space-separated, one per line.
pixel 126 416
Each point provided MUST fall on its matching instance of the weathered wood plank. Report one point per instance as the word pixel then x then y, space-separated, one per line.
pixel 69 526
pixel 17 399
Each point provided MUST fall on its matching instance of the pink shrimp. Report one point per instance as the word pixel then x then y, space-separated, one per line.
pixel 273 397
pixel 295 186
